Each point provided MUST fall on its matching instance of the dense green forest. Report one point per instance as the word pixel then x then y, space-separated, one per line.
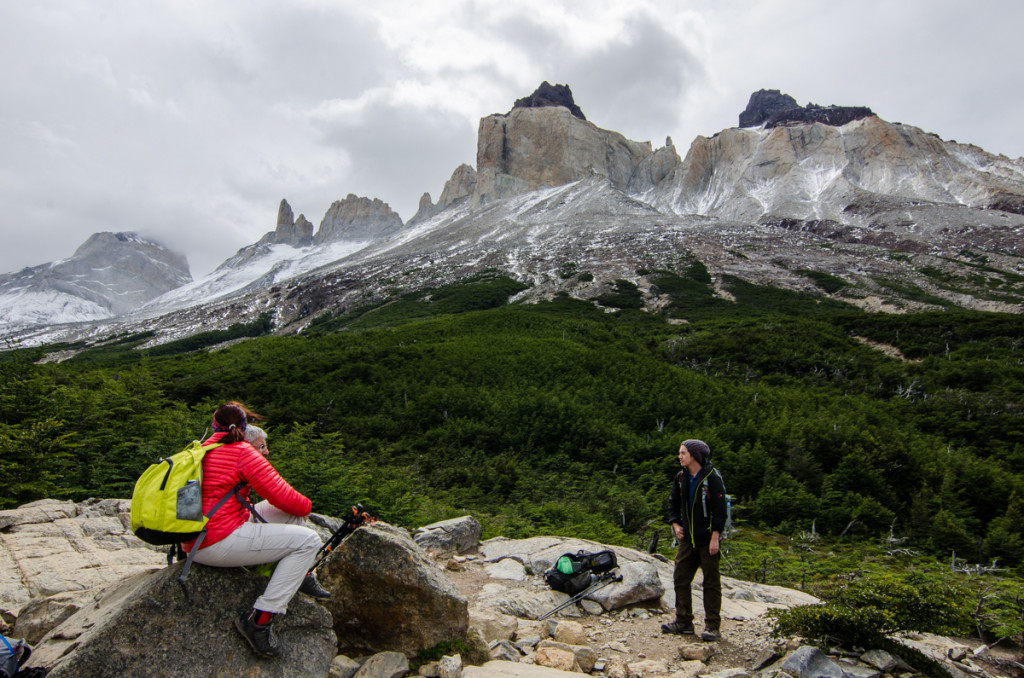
pixel 563 417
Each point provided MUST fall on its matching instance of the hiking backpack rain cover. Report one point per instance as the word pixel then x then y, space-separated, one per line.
pixel 167 503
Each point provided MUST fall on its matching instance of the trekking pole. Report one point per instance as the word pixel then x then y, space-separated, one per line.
pixel 357 519
pixel 605 579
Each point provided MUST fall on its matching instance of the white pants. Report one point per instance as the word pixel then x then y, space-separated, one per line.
pixel 282 538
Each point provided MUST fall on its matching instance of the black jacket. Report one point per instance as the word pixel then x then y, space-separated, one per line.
pixel 707 513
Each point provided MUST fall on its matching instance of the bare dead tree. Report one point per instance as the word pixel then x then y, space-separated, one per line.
pixel 963 567
pixel 806 540
pixel 892 542
pixel 850 576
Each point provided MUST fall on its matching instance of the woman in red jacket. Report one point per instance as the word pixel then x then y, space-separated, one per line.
pixel 233 541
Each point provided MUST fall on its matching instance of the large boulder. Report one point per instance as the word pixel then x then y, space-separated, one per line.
pixel 456 535
pixel 810 662
pixel 388 595
pixel 145 626
pixel 640 582
pixel 520 602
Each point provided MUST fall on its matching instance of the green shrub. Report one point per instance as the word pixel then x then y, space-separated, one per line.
pixel 825 281
pixel 472 649
pixel 866 610
pixel 625 295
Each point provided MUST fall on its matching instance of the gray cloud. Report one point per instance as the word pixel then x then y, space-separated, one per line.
pixel 190 123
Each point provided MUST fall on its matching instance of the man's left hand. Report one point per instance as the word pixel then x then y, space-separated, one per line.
pixel 714 545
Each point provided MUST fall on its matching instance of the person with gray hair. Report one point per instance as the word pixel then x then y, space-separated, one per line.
pixel 697 512
pixel 257 437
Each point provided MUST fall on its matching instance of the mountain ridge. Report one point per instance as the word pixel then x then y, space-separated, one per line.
pixel 108 275
pixel 549 185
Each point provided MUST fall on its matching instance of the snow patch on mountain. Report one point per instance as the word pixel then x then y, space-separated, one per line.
pixel 275 265
pixel 25 308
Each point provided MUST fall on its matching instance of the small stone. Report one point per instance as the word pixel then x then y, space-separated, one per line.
pixel 695 652
pixel 648 667
pixel 504 650
pixel 554 658
pixel 762 659
pixel 450 666
pixel 429 670
pixel 690 669
pixel 880 659
pixel 343 667
pixel 570 633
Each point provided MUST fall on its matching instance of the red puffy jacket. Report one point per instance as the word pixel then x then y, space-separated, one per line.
pixel 223 468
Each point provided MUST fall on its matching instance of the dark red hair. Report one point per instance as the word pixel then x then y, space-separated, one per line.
pixel 232 417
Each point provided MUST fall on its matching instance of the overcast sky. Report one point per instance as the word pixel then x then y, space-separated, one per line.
pixel 187 121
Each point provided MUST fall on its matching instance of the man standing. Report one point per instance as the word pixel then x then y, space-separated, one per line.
pixel 697 512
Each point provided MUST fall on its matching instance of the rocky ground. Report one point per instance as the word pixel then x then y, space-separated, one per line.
pixel 634 634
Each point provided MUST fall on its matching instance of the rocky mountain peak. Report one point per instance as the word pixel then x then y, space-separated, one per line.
pixel 771 108
pixel 538 145
pixel 109 274
pixel 357 218
pixel 551 95
pixel 291 231
pixel 285 214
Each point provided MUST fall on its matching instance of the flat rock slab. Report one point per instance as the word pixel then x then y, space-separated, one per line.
pixel 503 669
pixel 50 547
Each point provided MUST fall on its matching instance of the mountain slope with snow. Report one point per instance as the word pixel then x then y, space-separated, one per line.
pixel 109 274
pixel 894 217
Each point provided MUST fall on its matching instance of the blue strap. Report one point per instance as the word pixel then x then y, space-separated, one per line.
pixel 11 650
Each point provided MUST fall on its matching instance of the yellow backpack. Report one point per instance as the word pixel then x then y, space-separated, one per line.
pixel 167 503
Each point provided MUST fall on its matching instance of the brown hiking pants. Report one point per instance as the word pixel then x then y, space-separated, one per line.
pixel 688 559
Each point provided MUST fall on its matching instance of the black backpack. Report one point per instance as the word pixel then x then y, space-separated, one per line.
pixel 576 572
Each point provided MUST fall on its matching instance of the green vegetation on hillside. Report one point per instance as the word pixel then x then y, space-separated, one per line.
pixel 562 418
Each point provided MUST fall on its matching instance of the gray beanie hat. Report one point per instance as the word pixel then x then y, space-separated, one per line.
pixel 699 450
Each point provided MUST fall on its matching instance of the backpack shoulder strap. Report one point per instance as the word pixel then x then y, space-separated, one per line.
pixel 13 652
pixel 234 492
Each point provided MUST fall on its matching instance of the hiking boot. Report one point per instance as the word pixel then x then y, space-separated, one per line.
pixel 311 587
pixel 710 635
pixel 679 628
pixel 261 638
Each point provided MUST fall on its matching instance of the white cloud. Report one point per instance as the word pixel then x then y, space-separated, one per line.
pixel 189 121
